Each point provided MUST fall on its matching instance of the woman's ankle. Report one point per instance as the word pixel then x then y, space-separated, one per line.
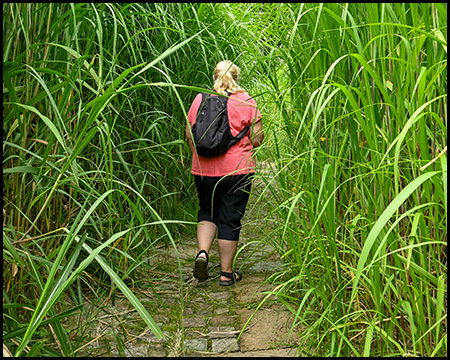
pixel 202 253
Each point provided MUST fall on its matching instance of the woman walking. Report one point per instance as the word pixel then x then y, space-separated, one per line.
pixel 224 181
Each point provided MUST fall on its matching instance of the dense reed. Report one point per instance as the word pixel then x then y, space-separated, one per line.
pixel 359 94
pixel 96 169
pixel 95 162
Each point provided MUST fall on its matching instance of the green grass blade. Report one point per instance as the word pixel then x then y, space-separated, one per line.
pixel 381 222
pixel 127 292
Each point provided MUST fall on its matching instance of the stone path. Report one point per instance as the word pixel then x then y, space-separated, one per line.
pixel 215 315
pixel 200 318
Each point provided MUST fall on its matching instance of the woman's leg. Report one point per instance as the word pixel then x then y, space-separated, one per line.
pixel 231 211
pixel 206 226
pixel 206 233
pixel 227 251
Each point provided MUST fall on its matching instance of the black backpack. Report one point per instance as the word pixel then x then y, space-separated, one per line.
pixel 211 131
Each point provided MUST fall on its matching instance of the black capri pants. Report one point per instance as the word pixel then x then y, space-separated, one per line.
pixel 223 201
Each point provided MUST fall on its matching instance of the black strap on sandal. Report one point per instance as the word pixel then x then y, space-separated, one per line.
pixel 202 252
pixel 227 274
pixel 231 276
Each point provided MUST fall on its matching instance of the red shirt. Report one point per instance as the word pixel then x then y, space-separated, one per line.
pixel 238 160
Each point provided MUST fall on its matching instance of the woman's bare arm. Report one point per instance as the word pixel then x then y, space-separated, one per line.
pixel 257 134
pixel 189 138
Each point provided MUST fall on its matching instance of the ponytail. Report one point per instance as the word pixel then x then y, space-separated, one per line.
pixel 226 77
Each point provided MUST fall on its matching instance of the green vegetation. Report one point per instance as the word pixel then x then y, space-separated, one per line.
pixel 96 169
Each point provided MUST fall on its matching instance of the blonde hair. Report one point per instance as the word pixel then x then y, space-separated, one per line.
pixel 226 77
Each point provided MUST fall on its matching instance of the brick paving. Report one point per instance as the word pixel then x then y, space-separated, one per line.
pixel 201 318
pixel 213 315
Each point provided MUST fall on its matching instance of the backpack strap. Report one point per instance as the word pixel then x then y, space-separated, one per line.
pixel 242 133
pixel 202 103
pixel 204 97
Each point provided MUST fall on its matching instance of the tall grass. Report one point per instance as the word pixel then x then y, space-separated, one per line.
pixel 95 166
pixel 358 98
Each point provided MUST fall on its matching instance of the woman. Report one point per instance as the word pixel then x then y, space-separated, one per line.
pixel 223 182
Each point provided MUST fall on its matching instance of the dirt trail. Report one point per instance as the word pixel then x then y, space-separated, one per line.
pixel 201 319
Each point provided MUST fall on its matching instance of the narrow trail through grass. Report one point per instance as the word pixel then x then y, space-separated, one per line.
pixel 200 319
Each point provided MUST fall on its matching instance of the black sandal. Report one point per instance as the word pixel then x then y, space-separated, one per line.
pixel 232 277
pixel 201 266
